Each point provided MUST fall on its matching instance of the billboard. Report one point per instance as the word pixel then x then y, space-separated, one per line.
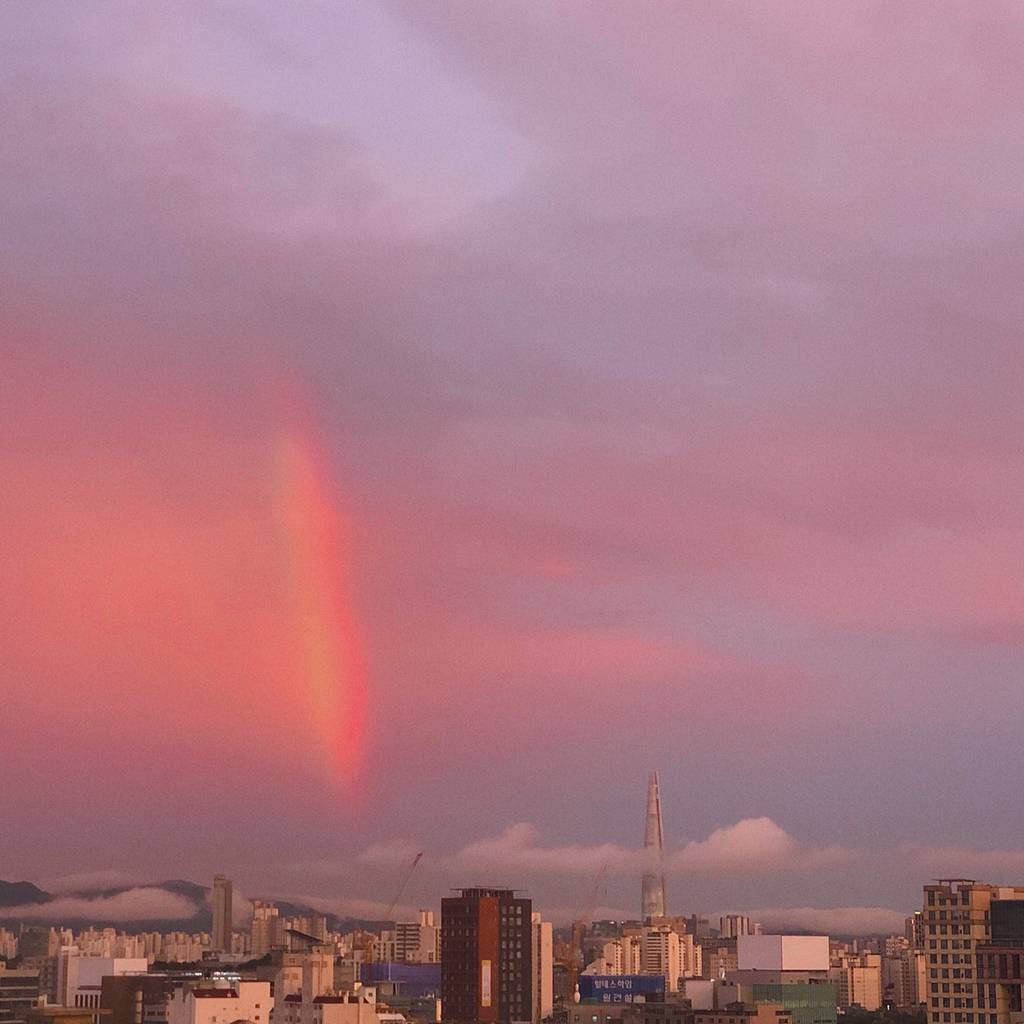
pixel 782 952
pixel 485 982
pixel 621 988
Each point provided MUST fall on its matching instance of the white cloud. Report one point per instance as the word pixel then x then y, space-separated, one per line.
pixel 142 904
pixel 517 850
pixel 753 845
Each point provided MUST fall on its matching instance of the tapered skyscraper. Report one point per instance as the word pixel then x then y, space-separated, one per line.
pixel 652 893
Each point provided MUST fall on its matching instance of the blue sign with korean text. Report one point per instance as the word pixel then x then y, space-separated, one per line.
pixel 621 988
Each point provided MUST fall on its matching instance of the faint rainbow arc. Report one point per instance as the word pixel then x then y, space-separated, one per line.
pixel 333 663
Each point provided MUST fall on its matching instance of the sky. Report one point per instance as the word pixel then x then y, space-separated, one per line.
pixel 421 420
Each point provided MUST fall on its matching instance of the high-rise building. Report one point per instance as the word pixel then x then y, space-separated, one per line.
pixel 652 891
pixel 222 893
pixel 858 981
pixel 486 957
pixel 1000 960
pixel 904 976
pixel 731 926
pixel 543 968
pixel 412 943
pixel 914 930
pixel 660 954
pixel 958 931
pixel 267 930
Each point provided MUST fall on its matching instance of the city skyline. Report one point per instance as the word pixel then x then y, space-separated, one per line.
pixel 421 419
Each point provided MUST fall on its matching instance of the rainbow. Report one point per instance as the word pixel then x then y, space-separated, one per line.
pixel 333 665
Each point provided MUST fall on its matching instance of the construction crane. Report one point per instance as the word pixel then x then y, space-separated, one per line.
pixel 401 888
pixel 370 940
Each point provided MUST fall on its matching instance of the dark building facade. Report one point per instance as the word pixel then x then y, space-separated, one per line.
pixel 486 957
pixel 132 998
pixel 19 992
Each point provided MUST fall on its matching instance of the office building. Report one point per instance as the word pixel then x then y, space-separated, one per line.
pixel 731 926
pixel 652 889
pixel 543 967
pixel 486 957
pixel 222 908
pixel 1000 963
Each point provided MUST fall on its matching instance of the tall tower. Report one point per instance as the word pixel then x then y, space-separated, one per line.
pixel 652 892
pixel 222 914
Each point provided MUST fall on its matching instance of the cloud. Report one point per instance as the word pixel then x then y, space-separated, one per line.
pixel 829 920
pixel 516 850
pixel 754 845
pixel 92 881
pixel 142 904
pixel 751 845
pixel 367 909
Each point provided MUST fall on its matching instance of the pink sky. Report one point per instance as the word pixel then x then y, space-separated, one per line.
pixel 665 361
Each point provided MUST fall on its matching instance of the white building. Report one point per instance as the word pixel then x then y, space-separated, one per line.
pixel 858 981
pixel 80 978
pixel 659 954
pixel 619 956
pixel 208 1004
pixel 543 969
pixel 782 952
pixel 359 1007
pixel 412 942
